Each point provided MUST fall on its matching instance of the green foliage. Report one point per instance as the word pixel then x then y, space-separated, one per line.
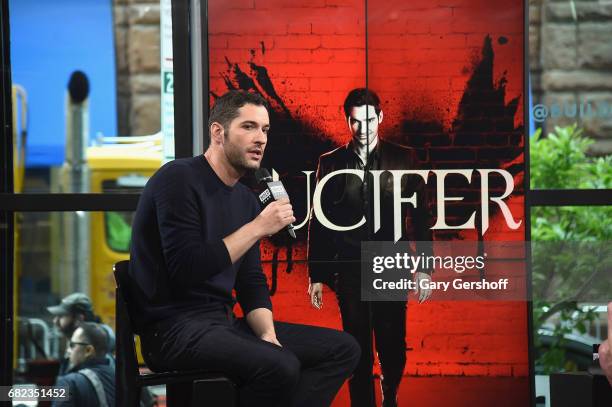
pixel 561 270
pixel 559 161
pixel 570 318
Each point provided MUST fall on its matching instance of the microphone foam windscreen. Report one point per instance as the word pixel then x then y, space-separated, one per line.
pixel 262 175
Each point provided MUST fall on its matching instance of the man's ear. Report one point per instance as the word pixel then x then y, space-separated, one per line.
pixel 90 351
pixel 380 117
pixel 216 133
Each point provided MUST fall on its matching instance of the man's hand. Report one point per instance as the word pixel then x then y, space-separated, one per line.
pixel 270 337
pixel 315 290
pixel 274 217
pixel 424 293
pixel 605 349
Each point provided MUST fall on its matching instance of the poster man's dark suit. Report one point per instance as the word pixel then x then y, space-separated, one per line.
pixel 334 256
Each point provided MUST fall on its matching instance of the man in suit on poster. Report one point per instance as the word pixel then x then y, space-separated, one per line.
pixel 334 256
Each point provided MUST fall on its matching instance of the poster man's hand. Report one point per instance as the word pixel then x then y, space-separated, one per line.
pixel 421 280
pixel 315 291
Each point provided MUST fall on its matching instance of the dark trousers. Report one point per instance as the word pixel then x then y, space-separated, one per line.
pixel 388 323
pixel 308 370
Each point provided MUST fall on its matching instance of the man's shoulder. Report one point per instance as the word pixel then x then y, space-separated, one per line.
pixel 394 147
pixel 390 151
pixel 76 385
pixel 179 166
pixel 100 366
pixel 80 385
pixel 72 379
pixel 104 368
pixel 334 154
pixel 178 173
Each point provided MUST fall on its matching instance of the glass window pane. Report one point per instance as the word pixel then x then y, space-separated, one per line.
pixel 62 252
pixel 81 84
pixel 571 99
pixel 58 254
pixel 572 280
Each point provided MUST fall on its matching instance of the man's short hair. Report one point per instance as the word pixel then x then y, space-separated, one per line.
pixel 96 336
pixel 226 107
pixel 361 97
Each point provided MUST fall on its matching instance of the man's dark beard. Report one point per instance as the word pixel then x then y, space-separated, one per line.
pixel 69 329
pixel 235 157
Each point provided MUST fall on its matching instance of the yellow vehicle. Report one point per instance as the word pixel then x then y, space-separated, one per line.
pixel 120 167
pixel 115 168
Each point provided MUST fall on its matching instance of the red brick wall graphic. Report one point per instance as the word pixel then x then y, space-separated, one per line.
pixel 450 76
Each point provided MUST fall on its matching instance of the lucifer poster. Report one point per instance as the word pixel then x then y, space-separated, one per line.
pixel 394 123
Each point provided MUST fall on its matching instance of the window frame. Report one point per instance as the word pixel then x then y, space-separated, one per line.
pixel 182 21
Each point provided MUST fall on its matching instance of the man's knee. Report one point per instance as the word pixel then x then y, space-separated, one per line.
pixel 289 369
pixel 282 371
pixel 348 351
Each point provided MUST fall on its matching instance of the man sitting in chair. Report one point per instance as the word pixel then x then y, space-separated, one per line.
pixel 195 238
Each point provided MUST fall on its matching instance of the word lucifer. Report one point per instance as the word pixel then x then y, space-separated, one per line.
pixel 399 200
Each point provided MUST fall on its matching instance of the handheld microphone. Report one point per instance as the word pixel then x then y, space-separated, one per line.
pixel 273 192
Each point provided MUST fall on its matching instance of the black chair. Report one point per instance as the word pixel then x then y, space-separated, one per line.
pixel 183 388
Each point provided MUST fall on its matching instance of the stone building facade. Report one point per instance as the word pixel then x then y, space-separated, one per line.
pixel 137 45
pixel 570 50
pixel 570 59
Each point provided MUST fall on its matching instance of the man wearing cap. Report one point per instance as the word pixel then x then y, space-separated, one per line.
pixel 69 313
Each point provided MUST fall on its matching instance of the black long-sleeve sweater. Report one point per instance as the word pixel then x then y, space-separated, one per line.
pixel 178 261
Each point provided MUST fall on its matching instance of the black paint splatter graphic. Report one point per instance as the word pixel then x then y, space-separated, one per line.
pixel 482 135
